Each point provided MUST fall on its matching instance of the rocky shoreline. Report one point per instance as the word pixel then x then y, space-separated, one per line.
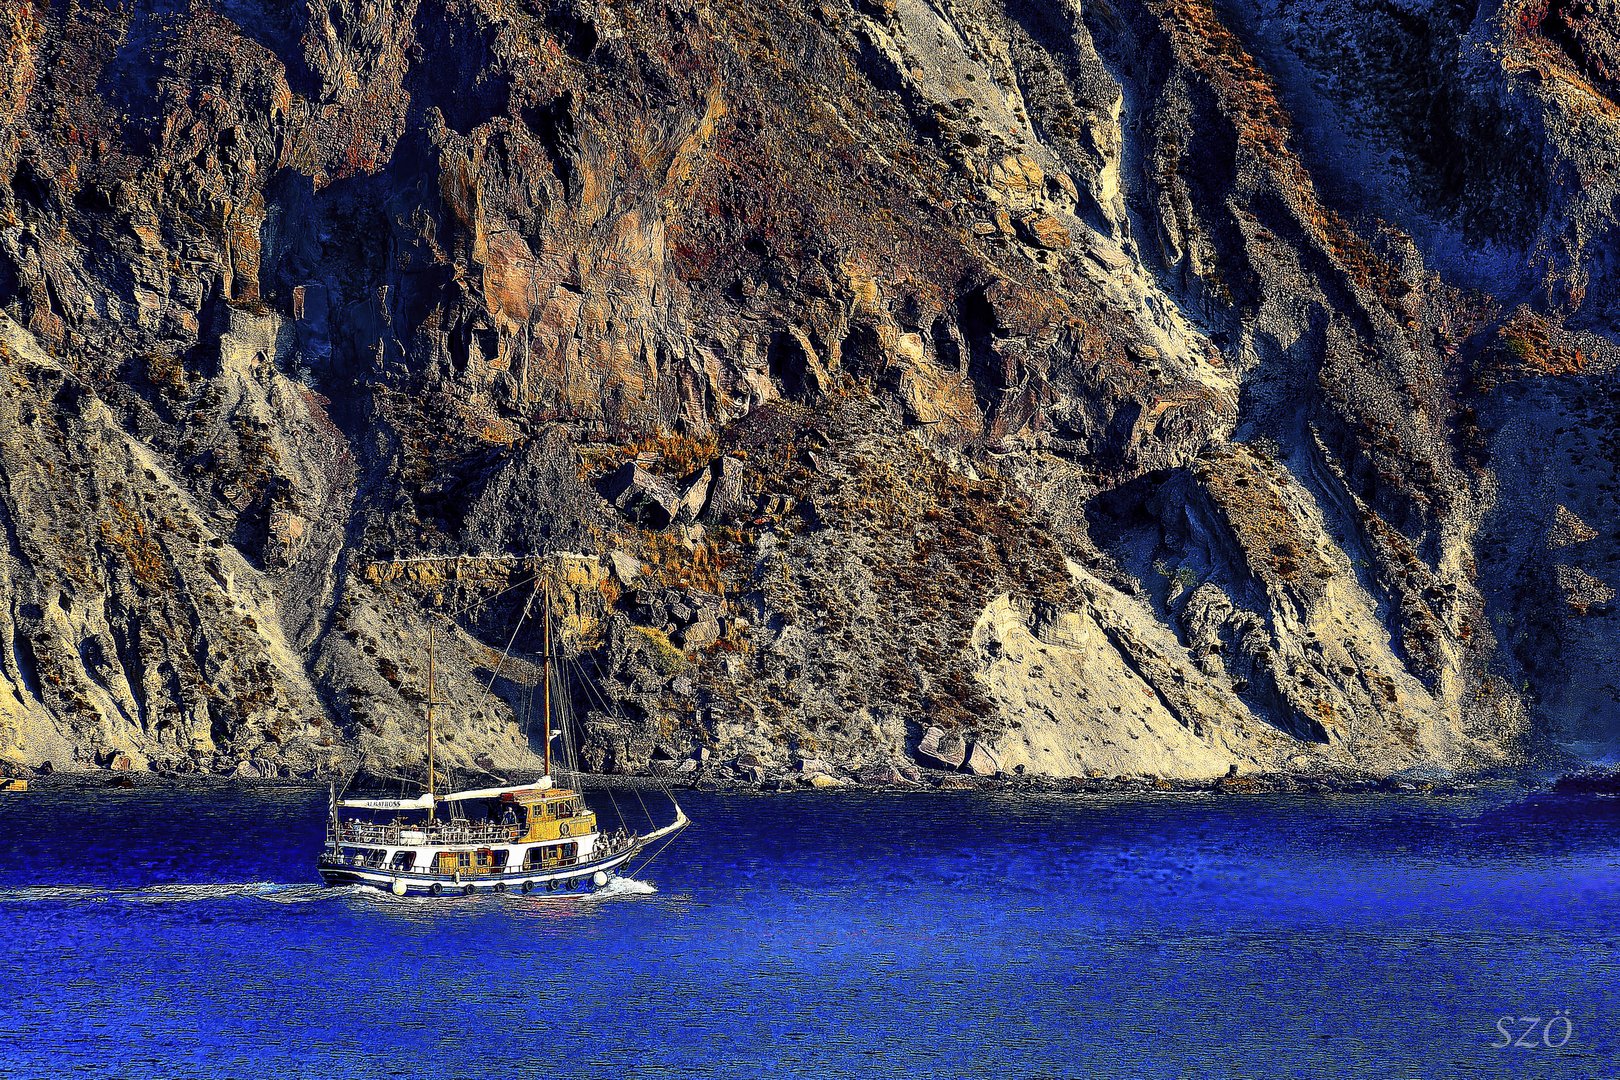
pixel 925 781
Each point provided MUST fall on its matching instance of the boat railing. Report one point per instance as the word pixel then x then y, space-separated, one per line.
pixel 363 833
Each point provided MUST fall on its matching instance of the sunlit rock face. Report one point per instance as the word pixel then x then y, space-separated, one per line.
pixel 1147 388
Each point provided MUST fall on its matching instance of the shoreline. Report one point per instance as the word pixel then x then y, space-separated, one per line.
pixel 929 781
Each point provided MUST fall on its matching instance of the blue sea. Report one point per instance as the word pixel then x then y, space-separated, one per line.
pixel 181 933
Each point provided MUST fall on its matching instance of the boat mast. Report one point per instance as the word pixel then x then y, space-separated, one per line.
pixel 545 695
pixel 431 732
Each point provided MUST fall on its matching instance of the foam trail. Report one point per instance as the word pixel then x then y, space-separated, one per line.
pixel 59 893
pixel 620 887
pixel 307 894
pixel 150 894
pixel 177 894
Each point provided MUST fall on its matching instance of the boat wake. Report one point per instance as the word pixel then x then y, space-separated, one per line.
pixel 309 894
pixel 146 894
pixel 180 894
pixel 622 886
pixel 59 893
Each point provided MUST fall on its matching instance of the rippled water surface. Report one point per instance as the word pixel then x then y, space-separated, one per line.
pixel 179 934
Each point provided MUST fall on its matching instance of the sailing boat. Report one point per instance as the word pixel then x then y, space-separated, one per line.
pixel 527 838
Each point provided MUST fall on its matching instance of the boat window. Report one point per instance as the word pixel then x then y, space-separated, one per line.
pixel 404 860
pixel 463 858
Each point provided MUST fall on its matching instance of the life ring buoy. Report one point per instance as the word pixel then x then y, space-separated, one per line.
pixel 564 829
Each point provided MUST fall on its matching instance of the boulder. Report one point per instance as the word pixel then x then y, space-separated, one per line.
pixel 822 780
pixel 702 633
pixel 1045 231
pixel 1020 180
pixel 640 495
pixel 940 750
pixel 982 761
pixel 880 776
pixel 728 491
pixel 246 770
pixel 625 567
pixel 694 494
pixel 933 395
pixel 812 765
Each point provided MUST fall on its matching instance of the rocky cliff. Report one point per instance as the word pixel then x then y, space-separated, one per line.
pixel 1153 388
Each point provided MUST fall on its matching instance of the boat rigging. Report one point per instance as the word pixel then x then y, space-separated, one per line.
pixel 538 837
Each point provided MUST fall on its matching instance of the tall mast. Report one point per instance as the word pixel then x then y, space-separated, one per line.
pixel 431 731
pixel 545 695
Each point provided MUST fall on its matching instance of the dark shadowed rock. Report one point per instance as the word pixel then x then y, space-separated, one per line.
pixel 533 501
pixel 641 496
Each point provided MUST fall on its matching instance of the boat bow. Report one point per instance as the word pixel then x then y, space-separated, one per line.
pixel 681 821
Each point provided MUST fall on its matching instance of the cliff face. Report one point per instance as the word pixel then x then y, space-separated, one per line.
pixel 1144 387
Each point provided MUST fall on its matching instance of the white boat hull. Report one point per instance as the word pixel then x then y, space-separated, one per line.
pixel 568 882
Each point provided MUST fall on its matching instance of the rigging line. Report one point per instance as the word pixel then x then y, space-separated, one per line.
pixel 578 667
pixel 528 716
pixel 656 775
pixel 648 861
pixel 344 788
pixel 590 690
pixel 458 612
pixel 566 697
pixel 527 604
pixel 636 789
pixel 613 711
